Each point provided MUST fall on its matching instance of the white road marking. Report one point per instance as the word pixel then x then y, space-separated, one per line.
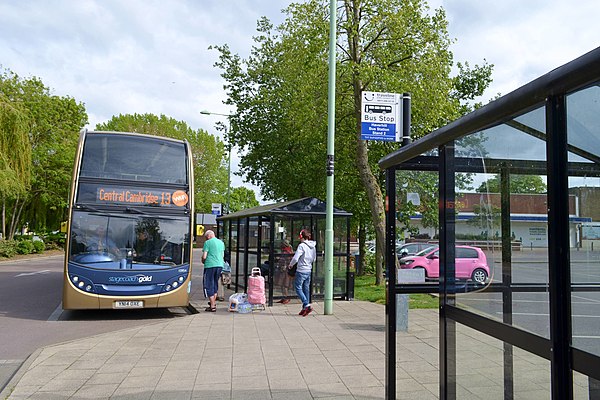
pixel 33 273
pixel 56 314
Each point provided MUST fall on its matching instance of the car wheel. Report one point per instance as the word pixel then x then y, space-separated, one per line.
pixel 479 275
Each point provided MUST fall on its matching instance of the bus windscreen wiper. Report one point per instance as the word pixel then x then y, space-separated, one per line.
pixel 134 210
pixel 87 208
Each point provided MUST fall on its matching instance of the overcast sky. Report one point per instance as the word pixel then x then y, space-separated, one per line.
pixel 151 56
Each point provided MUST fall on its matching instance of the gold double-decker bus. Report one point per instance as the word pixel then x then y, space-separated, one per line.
pixel 129 234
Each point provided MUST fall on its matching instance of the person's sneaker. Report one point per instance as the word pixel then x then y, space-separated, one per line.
pixel 302 312
pixel 280 300
pixel 307 311
pixel 221 298
pixel 285 301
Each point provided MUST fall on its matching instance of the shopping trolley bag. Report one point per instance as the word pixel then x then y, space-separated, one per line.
pixel 256 287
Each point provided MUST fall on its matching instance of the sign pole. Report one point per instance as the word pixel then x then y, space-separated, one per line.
pixel 330 152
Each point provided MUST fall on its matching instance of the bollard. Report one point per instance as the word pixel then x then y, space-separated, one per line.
pixel 402 312
pixel 350 286
pixel 406 276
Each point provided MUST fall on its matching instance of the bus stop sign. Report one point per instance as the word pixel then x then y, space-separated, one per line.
pixel 381 116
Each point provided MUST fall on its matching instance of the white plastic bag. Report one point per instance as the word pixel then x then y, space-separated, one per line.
pixel 236 299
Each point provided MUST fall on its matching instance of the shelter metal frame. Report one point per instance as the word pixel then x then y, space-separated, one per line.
pixel 549 91
pixel 301 213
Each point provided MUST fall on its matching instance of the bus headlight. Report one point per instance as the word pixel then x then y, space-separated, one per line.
pixel 174 283
pixel 83 284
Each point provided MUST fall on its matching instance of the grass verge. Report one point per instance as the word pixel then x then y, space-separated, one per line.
pixel 365 289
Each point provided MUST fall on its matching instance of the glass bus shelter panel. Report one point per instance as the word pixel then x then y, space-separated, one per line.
pixel 583 386
pixel 233 249
pixel 484 363
pixel 241 243
pixel 283 283
pixel 583 122
pixel 515 244
pixel 340 235
pixel 253 235
pixel 583 131
pixel 523 138
pixel 417 205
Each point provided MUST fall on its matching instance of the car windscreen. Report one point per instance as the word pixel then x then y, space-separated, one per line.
pixel 426 251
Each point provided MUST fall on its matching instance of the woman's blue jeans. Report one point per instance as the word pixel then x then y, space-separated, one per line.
pixel 302 285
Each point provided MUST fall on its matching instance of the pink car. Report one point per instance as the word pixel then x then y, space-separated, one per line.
pixel 471 263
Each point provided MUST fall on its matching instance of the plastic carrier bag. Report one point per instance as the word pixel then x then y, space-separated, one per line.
pixel 244 308
pixel 236 299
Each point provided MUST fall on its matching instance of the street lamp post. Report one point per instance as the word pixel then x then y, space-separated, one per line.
pixel 227 133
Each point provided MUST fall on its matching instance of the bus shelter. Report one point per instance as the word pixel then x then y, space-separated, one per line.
pixel 267 236
pixel 530 330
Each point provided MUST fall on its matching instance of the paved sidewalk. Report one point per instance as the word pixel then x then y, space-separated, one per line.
pixel 271 354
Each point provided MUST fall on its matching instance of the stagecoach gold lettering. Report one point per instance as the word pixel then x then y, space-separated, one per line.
pixel 141 197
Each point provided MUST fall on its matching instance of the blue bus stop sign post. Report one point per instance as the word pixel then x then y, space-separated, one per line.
pixel 381 116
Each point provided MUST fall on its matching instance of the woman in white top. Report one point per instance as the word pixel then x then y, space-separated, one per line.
pixel 303 259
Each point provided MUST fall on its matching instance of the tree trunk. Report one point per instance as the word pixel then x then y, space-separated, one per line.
pixel 362 155
pixel 3 227
pixel 362 237
pixel 375 201
pixel 16 216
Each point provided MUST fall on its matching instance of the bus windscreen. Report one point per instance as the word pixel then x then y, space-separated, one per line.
pixel 123 157
pixel 128 242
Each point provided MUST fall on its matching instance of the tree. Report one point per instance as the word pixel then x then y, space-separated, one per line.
pixel 15 154
pixel 208 152
pixel 242 198
pixel 486 217
pixel 53 126
pixel 280 92
pixel 518 184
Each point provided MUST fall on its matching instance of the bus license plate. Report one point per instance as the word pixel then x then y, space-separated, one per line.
pixel 129 304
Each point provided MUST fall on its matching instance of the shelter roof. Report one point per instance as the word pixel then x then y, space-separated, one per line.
pixel 306 206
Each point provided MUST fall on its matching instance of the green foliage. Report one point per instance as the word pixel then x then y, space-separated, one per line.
pixel 8 248
pixel 38 246
pixel 242 198
pixel 486 217
pixel 365 289
pixel 15 148
pixel 369 263
pixel 25 247
pixel 518 184
pixel 210 169
pixel 280 92
pixel 53 124
pixel 54 241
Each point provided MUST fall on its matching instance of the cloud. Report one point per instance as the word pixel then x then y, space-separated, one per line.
pixel 151 56
pixel 523 39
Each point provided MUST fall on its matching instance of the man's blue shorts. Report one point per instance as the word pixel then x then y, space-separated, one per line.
pixel 211 280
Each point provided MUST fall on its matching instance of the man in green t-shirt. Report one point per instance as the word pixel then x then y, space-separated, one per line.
pixel 212 257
